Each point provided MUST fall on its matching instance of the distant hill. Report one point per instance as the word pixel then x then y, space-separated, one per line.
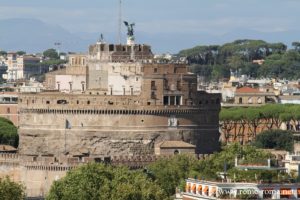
pixel 34 35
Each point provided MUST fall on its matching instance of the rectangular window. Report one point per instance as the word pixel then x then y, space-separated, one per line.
pixel 178 100
pixel 172 100
pixel 166 100
pixel 153 87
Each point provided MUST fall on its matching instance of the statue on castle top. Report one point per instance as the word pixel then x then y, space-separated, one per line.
pixel 129 28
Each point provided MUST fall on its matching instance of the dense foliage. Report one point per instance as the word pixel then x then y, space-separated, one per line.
pixel 10 190
pixel 275 139
pixel 240 122
pixel 215 62
pixel 172 172
pixel 51 54
pixel 98 181
pixel 160 179
pixel 8 133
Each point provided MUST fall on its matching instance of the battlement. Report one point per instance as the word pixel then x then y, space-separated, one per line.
pixel 119 52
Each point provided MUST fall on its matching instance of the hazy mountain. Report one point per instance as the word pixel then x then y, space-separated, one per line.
pixel 34 35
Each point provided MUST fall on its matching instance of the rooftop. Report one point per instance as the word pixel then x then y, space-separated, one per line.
pixel 247 90
pixel 175 144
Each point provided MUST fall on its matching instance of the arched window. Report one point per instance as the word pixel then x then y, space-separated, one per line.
pixel 240 100
pixel 176 152
pixel 259 100
pixel 250 101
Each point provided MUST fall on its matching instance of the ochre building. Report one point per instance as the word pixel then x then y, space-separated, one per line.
pixel 129 104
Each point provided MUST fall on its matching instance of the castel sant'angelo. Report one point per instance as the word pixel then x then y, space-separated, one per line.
pixel 127 103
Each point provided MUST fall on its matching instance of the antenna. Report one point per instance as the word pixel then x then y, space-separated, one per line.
pixel 120 20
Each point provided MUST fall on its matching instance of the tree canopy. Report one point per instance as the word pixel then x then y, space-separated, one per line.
pixel 216 61
pixel 20 53
pixel 240 123
pixel 159 179
pixel 10 190
pixel 98 181
pixel 275 139
pixel 8 133
pixel 51 54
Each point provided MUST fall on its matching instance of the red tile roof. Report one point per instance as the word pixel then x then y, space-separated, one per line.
pixel 247 90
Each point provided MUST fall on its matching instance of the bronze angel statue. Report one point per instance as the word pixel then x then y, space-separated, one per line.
pixel 129 28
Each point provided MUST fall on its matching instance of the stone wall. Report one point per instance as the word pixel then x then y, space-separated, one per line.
pixel 114 133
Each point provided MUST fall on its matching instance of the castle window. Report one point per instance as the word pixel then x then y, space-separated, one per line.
pixel 32 101
pixel 155 70
pixel 8 110
pixel 88 102
pixel 77 102
pixel 47 102
pixel 111 47
pixel 153 95
pixel 166 100
pixel 240 100
pixel 172 100
pixel 178 100
pixel 62 101
pixel 153 87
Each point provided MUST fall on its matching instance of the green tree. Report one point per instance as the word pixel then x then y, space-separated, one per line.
pixel 253 118
pixel 3 53
pixel 275 139
pixel 20 53
pixel 169 172
pixel 98 181
pixel 296 45
pixel 10 190
pixel 51 54
pixel 8 133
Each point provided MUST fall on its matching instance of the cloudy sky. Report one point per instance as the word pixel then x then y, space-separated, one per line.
pixel 172 19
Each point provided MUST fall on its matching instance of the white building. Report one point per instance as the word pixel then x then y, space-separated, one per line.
pixel 23 67
pixel 200 190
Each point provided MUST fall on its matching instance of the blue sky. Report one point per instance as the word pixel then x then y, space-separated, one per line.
pixel 177 19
